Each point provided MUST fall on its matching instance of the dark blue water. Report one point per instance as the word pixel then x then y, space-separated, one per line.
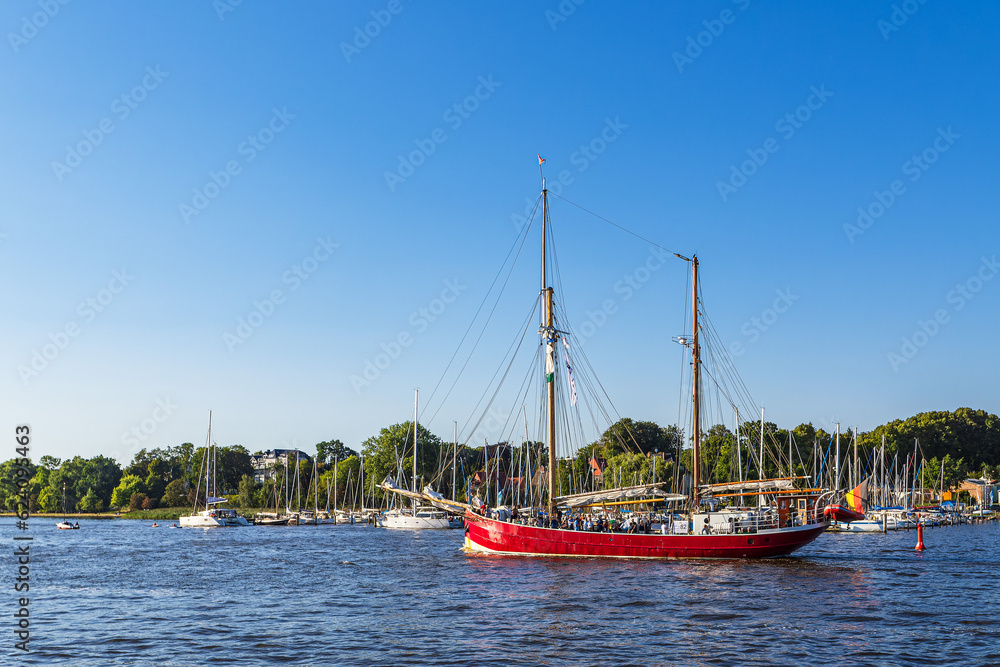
pixel 120 592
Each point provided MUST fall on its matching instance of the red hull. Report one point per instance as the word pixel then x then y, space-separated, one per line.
pixel 492 536
pixel 842 513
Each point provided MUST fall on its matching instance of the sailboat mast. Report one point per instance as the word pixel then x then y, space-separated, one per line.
pixel 695 373
pixel 836 461
pixel 739 456
pixel 857 469
pixel 416 394
pixel 215 488
pixel 760 458
pixel 550 362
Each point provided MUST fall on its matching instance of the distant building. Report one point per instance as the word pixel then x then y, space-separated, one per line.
pixel 264 464
pixel 984 492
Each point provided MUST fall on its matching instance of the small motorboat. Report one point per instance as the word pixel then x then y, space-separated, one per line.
pixel 842 513
pixel 66 525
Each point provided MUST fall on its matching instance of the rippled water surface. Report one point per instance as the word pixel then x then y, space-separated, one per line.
pixel 121 592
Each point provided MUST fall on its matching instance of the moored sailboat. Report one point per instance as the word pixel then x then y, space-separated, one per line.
pixel 212 516
pixel 417 516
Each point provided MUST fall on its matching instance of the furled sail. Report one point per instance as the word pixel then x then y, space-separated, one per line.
pixel 439 501
pixel 594 497
pixel 751 485
pixel 429 496
pixel 390 485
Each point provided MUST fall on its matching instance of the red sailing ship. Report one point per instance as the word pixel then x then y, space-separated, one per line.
pixel 782 519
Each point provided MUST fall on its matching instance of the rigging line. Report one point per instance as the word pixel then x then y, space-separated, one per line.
pixel 485 324
pixel 524 389
pixel 593 374
pixel 726 365
pixel 627 231
pixel 515 345
pixel 682 371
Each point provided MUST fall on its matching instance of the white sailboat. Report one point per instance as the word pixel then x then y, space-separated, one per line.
pixel 212 516
pixel 416 517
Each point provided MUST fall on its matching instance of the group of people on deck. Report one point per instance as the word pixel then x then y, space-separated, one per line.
pixel 597 523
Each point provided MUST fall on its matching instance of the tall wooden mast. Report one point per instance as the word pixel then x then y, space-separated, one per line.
pixel 549 337
pixel 416 394
pixel 695 373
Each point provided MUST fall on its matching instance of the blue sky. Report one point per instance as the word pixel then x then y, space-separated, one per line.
pixel 180 165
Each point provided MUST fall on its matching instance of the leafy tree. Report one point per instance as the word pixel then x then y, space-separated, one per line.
pixel 247 492
pixel 174 495
pixel 971 435
pixel 628 435
pixel 148 503
pixel 48 500
pixel 136 500
pixel 101 474
pixel 9 491
pixel 91 502
pixel 264 496
pixel 390 453
pixel 155 478
pixel 127 487
pixel 64 482
pixel 140 463
pixel 327 451
pixel 231 463
pixel 49 462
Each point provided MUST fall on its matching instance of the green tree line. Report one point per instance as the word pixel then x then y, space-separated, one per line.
pixel 963 443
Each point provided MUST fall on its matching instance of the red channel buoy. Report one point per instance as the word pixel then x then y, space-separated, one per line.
pixel 920 537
